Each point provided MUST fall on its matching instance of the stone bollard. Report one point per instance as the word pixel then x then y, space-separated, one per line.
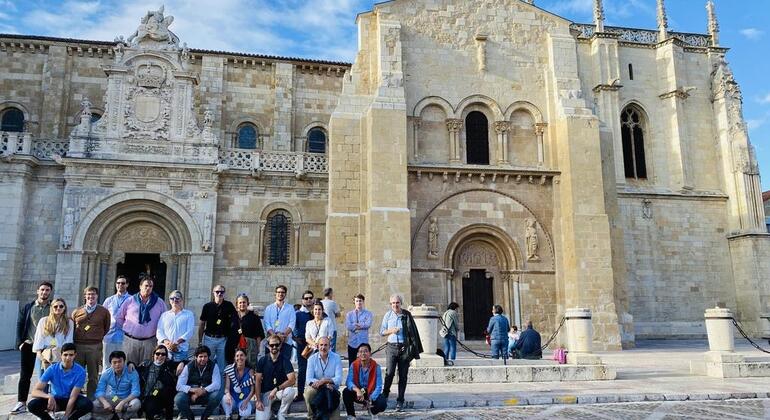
pixel 765 326
pixel 426 319
pixel 580 333
pixel 719 327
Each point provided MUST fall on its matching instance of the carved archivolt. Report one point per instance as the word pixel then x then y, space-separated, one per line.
pixel 476 254
pixel 143 237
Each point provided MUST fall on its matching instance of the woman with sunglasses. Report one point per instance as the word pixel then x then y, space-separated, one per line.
pixel 157 379
pixel 246 331
pixel 53 331
pixel 239 387
pixel 317 327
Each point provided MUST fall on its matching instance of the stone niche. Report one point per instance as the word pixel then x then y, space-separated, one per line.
pixel 149 112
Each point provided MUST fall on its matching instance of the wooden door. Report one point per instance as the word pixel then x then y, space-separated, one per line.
pixel 477 304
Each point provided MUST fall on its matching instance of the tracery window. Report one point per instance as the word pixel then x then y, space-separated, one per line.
pixel 12 120
pixel 247 136
pixel 277 243
pixel 632 128
pixel 477 138
pixel 316 140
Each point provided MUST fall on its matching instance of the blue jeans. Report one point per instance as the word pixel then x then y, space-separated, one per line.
pixel 499 348
pixel 217 347
pixel 178 356
pixel 211 401
pixel 450 347
pixel 334 342
pixel 511 345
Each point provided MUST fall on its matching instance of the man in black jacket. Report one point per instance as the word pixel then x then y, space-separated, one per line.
pixel 26 325
pixel 528 346
pixel 403 346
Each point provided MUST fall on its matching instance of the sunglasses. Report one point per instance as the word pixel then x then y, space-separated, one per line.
pixel 175 299
pixel 160 353
pixel 122 283
pixel 274 345
pixel 58 306
pixel 219 292
pixel 307 297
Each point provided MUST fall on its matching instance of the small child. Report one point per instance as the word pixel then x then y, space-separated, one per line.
pixel 513 336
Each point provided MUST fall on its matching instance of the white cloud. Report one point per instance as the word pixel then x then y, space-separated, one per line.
pixel 756 123
pixel 753 34
pixel 765 100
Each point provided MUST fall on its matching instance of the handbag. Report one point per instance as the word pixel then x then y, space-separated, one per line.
pixel 242 343
pixel 307 352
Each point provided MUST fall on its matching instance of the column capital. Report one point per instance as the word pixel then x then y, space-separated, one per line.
pixel 454 124
pixel 502 126
pixel 540 128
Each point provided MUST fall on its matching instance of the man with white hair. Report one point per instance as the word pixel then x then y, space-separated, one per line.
pixel 403 346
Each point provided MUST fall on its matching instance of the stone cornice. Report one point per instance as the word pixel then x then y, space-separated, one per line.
pixel 482 174
pixel 695 195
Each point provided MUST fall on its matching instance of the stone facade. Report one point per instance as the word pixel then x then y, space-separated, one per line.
pixel 479 152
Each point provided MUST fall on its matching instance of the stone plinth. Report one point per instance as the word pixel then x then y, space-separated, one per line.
pixel 580 337
pixel 719 327
pixel 426 319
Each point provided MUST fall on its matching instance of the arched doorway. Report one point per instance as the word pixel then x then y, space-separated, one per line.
pixel 140 251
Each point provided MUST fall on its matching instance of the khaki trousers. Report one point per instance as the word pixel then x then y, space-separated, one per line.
pixel 90 357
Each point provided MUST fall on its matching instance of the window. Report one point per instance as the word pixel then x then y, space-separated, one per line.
pixel 632 131
pixel 247 136
pixel 277 239
pixel 95 117
pixel 476 138
pixel 630 71
pixel 316 140
pixel 12 120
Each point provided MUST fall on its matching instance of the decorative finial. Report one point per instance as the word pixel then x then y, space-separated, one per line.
pixel 713 24
pixel 662 22
pixel 599 15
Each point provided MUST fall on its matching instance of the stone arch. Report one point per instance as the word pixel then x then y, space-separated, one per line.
pixel 435 101
pixel 315 124
pixel 304 141
pixel 295 224
pixel 432 139
pixel 508 253
pixel 8 105
pixel 527 106
pixel 641 168
pixel 280 205
pixel 489 103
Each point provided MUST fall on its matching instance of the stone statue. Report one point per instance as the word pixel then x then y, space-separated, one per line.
pixel 154 27
pixel 532 241
pixel 208 118
pixel 85 116
pixel 119 48
pixel 69 228
pixel 433 238
pixel 207 225
pixel 185 54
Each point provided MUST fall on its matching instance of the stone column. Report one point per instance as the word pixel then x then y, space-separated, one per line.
pixel 540 131
pixel 580 333
pixel 426 319
pixel 502 128
pixel 454 126
pixel 260 241
pixel 416 124
pixel 295 253
pixel 283 115
pixel 721 361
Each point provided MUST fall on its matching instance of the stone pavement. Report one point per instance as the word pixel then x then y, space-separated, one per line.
pixel 656 372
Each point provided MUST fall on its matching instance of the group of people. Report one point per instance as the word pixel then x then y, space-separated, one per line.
pixel 144 347
pixel 505 340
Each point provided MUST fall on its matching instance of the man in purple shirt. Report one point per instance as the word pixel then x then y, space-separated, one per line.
pixel 138 318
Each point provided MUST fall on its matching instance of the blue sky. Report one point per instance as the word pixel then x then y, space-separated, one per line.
pixel 325 29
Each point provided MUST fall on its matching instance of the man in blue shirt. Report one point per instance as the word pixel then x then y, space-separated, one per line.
pixel 117 393
pixel 113 340
pixel 324 374
pixel 358 321
pixel 280 319
pixel 66 379
pixel 303 315
pixel 364 384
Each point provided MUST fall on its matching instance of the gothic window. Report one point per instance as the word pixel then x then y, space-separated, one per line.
pixel 12 120
pixel 477 138
pixel 277 236
pixel 247 136
pixel 316 140
pixel 632 131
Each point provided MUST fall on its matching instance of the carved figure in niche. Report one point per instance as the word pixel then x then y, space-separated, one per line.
pixel 532 240
pixel 85 115
pixel 154 26
pixel 433 238
pixel 207 225
pixel 208 119
pixel 69 228
pixel 646 209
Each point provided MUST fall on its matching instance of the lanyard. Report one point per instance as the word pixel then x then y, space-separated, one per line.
pixel 117 382
pixel 356 316
pixel 200 374
pixel 323 366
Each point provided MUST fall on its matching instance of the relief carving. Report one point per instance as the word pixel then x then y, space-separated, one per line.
pixel 68 228
pixel 433 238
pixel 207 232
pixel 142 237
pixel 454 125
pixel 153 30
pixel 477 255
pixel 532 240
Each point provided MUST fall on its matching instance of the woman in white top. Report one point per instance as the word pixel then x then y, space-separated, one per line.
pixel 53 331
pixel 318 326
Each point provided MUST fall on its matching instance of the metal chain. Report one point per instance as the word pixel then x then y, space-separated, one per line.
pixel 463 346
pixel 547 343
pixel 746 336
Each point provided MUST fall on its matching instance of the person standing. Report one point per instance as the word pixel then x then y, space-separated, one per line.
pixel 364 384
pixel 403 346
pixel 332 310
pixel 324 375
pixel 303 315
pixel 317 327
pixel 113 340
pixel 275 380
pixel 53 332
pixel 118 391
pixel 176 327
pixel 138 318
pixel 66 379
pixel 239 387
pixel 358 321
pixel 451 322
pixel 26 325
pixel 92 321
pixel 281 319
pixel 216 320
pixel 247 332
pixel 199 383
pixel 157 379
pixel 498 333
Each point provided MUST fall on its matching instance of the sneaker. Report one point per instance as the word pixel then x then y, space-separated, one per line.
pixel 399 406
pixel 19 408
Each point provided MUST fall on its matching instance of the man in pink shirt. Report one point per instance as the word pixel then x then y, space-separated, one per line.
pixel 138 318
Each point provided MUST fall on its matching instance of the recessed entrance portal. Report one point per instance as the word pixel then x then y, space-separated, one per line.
pixel 139 265
pixel 478 300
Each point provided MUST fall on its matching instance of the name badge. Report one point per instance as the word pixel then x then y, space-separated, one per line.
pixel 155 393
pixel 115 398
pixel 86 328
pixel 219 321
pixel 240 397
pixel 277 323
pixel 240 331
pixel 53 342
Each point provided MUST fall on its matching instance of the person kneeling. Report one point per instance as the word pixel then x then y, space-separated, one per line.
pixel 122 399
pixel 364 384
pixel 275 379
pixel 199 383
pixel 239 387
pixel 324 377
pixel 66 379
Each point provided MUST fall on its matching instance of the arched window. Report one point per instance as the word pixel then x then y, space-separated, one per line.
pixel 95 116
pixel 12 120
pixel 632 131
pixel 477 138
pixel 316 140
pixel 247 136
pixel 277 238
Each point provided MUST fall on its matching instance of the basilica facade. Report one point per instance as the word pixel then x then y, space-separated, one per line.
pixel 485 152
